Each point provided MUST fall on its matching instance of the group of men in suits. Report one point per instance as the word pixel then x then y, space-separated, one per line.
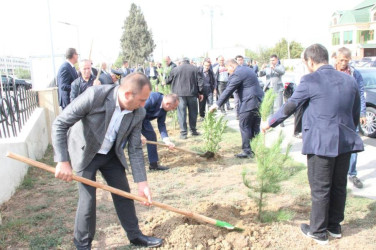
pixel 92 132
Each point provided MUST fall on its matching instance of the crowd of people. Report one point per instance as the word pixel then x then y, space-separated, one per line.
pixel 105 111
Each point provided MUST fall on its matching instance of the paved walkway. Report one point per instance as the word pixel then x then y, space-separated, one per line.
pixel 366 165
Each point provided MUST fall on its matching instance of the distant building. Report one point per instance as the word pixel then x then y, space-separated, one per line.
pixel 355 29
pixel 9 63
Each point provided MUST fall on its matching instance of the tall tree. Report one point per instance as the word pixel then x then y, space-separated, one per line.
pixel 137 44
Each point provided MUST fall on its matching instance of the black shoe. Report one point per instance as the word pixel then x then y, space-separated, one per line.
pixel 298 135
pixel 195 133
pixel 201 119
pixel 244 155
pixel 147 241
pixel 228 109
pixel 357 183
pixel 183 137
pixel 322 240
pixel 223 111
pixel 335 233
pixel 156 166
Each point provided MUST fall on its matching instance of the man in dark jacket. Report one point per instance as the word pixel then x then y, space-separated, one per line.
pixel 105 77
pixel 343 57
pixel 65 76
pixel 208 88
pixel 329 123
pixel 244 81
pixel 157 106
pixel 187 84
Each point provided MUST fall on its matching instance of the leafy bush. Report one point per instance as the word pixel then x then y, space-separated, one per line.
pixel 213 131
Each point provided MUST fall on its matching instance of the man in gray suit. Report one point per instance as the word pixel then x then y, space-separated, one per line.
pixel 90 135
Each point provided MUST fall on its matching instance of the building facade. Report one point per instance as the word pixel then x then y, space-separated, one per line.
pixel 355 29
pixel 9 64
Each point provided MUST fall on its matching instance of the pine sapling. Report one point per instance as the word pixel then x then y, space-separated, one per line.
pixel 270 161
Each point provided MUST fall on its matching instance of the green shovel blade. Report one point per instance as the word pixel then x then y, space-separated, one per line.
pixel 224 224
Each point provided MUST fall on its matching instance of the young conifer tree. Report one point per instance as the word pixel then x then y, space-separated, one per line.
pixel 270 161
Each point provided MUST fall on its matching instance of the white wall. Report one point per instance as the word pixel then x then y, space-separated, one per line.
pixel 31 142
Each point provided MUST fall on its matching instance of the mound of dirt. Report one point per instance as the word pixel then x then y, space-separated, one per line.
pixel 184 233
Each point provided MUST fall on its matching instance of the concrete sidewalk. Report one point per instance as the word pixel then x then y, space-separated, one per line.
pixel 366 165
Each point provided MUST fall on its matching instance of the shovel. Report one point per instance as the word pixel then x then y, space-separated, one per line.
pixel 192 215
pixel 206 155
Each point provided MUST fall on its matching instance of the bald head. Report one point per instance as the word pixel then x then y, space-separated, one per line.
pixel 231 65
pixel 135 82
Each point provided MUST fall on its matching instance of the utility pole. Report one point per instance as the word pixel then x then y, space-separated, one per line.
pixel 51 40
pixel 211 11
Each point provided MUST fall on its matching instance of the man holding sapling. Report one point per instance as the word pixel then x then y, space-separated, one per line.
pixel 245 82
pixel 329 137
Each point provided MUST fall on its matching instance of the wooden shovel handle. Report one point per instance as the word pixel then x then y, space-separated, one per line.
pixel 165 145
pixel 111 189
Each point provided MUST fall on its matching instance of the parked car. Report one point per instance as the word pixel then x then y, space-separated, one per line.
pixel 369 77
pixel 8 82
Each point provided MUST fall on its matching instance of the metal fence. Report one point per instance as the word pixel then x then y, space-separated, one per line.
pixel 17 103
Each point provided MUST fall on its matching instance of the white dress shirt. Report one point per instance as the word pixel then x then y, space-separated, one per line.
pixel 113 128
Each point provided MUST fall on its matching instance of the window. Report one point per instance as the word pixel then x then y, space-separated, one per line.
pixel 348 37
pixel 335 38
pixel 364 35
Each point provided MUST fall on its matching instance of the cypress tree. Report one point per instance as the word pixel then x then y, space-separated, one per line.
pixel 137 44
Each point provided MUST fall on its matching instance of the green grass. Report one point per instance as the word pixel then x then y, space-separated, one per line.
pixel 277 216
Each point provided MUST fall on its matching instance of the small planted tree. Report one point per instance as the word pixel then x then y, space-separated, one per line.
pixel 270 161
pixel 213 131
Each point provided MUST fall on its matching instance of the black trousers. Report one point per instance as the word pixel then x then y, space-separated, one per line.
pixel 208 99
pixel 221 88
pixel 114 174
pixel 298 120
pixel 249 123
pixel 328 179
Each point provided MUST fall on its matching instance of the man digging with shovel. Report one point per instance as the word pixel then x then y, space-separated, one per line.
pixel 89 135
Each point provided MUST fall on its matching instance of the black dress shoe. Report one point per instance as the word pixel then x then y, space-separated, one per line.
pixel 147 241
pixel 183 137
pixel 195 133
pixel 156 166
pixel 244 155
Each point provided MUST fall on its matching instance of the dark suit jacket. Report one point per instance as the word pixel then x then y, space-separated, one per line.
pixel 78 132
pixel 105 78
pixel 245 82
pixel 185 80
pixel 331 115
pixel 65 76
pixel 213 82
pixel 147 72
pixel 155 111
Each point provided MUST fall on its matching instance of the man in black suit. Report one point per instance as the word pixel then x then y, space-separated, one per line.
pixel 125 68
pixel 329 137
pixel 187 84
pixel 208 87
pixel 65 76
pixel 244 81
pixel 105 77
pixel 151 71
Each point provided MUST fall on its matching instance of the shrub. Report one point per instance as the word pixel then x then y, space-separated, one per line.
pixel 213 131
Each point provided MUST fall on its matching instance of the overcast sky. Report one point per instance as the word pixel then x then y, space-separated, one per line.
pixel 179 27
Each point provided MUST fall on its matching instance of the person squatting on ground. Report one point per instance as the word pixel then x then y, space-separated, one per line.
pixel 90 135
pixel 329 138
pixel 157 106
pixel 245 82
